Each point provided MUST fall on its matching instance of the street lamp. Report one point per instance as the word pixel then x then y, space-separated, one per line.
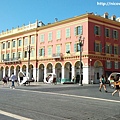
pixel 29 50
pixel 90 71
pixel 81 43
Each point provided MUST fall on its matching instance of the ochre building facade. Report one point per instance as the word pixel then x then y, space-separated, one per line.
pixel 54 48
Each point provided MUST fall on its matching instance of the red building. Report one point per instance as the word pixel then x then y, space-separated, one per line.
pixel 55 48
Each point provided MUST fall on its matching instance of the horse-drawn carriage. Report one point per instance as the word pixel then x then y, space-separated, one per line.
pixel 23 79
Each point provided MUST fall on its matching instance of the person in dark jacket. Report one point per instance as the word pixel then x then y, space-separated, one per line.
pixel 116 85
pixel 5 79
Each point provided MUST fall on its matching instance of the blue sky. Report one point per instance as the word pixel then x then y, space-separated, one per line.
pixel 15 13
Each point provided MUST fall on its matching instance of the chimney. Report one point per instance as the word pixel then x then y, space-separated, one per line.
pixel 105 15
pixel 113 18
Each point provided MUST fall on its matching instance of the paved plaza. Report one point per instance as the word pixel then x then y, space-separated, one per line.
pixel 41 101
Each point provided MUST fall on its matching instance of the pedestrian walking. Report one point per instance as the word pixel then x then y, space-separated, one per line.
pixel 13 78
pixel 116 85
pixel 102 83
pixel 5 80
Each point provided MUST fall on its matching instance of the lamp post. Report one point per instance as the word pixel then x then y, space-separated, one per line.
pixel 81 43
pixel 29 50
pixel 90 71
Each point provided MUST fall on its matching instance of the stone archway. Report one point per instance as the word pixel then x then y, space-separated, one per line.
pixel 17 70
pixel 31 71
pixel 49 68
pixel 11 70
pixel 77 71
pixel 41 72
pixel 98 71
pixel 6 70
pixel 58 71
pixel 1 73
pixel 68 71
pixel 24 69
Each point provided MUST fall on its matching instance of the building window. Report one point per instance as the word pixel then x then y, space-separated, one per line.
pixel 8 44
pixel 67 48
pixel 19 42
pixel 32 39
pixel 116 50
pixel 116 64
pixel 8 56
pixel 13 43
pixel 50 36
pixel 79 30
pixel 25 54
pixel 67 32
pixel 49 50
pixel 108 64
pixel 41 52
pixel 108 49
pixel 107 32
pixel 98 47
pixel 58 34
pixel 19 55
pixel 13 55
pixel 32 52
pixel 42 38
pixel 58 49
pixel 3 46
pixel 76 47
pixel 97 30
pixel 115 34
pixel 25 41
pixel 3 56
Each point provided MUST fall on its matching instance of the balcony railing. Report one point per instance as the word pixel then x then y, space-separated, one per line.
pixel 57 55
pixel 11 60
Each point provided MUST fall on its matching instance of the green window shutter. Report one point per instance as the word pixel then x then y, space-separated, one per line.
pixel 78 47
pixel 118 64
pixel 109 33
pixel 112 33
pixel 39 51
pixel 75 31
pixel 105 32
pixel 67 47
pixel 117 34
pixel 42 51
pixel 110 64
pixel 58 49
pixel 75 47
pixel 105 48
pixel 95 30
pixel 110 49
pixel 99 31
pixel 118 50
pixel 81 30
pixel 114 49
pixel 95 47
pixel 100 47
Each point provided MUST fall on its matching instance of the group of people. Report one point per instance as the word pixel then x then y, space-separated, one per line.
pixel 116 84
pixel 13 78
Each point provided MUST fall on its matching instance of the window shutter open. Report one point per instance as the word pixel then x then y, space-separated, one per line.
pixel 75 47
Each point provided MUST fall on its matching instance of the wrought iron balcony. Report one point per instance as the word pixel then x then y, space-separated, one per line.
pixel 11 60
pixel 57 55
